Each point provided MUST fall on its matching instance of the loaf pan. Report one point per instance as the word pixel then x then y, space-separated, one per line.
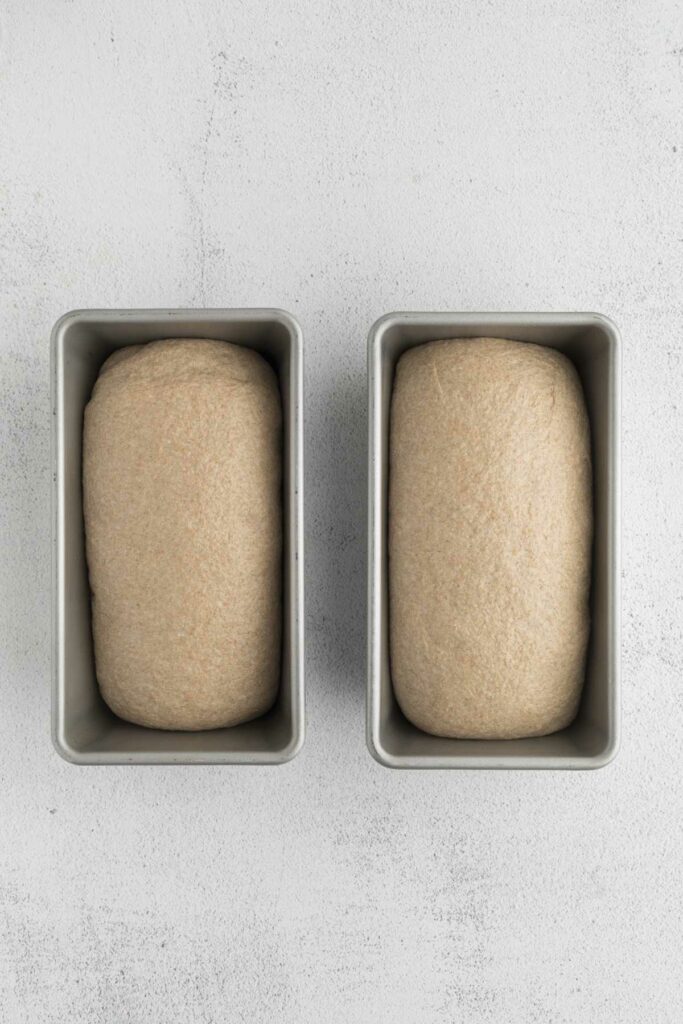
pixel 591 342
pixel 84 730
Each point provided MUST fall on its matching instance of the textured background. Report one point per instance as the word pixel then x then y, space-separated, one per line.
pixel 342 160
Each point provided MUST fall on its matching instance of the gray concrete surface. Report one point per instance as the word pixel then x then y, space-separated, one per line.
pixel 342 160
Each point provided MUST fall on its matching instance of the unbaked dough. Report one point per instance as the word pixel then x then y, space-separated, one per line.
pixel 182 503
pixel 490 531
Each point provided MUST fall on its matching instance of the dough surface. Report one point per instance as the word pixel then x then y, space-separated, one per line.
pixel 182 466
pixel 490 532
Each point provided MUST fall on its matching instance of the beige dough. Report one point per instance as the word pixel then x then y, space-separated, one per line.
pixel 182 503
pixel 490 529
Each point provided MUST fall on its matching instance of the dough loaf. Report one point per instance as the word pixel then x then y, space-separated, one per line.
pixel 182 503
pixel 490 531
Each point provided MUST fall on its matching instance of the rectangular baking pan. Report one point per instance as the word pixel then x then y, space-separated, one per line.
pixel 84 730
pixel 591 341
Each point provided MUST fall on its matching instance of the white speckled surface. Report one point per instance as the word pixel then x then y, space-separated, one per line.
pixel 342 160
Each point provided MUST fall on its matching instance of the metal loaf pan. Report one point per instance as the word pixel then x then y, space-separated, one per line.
pixel 591 341
pixel 84 730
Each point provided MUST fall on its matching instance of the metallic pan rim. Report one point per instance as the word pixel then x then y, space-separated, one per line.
pixel 420 750
pixel 293 718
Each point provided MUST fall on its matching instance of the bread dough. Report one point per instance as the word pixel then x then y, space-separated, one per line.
pixel 490 530
pixel 182 503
